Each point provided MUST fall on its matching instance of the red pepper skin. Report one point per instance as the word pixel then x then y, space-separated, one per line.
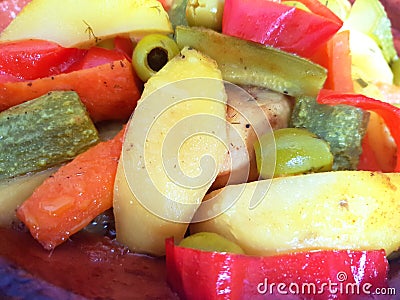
pixel 33 59
pixel 389 113
pixel 281 26
pixel 368 160
pixel 196 274
pixel 9 9
pixel 124 45
pixel 96 56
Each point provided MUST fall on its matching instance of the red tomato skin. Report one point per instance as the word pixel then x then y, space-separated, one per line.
pixel 274 24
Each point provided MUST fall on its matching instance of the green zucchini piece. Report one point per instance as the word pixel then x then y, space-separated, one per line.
pixel 44 132
pixel 342 126
pixel 395 67
pixel 177 13
pixel 248 63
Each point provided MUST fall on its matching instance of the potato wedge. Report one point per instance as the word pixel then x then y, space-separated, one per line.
pixel 332 210
pixel 161 179
pixel 85 23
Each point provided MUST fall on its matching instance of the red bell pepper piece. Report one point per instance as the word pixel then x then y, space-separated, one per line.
pixel 335 57
pixel 324 274
pixel 278 25
pixel 368 160
pixel 124 45
pixel 96 56
pixel 389 113
pixel 9 9
pixel 33 59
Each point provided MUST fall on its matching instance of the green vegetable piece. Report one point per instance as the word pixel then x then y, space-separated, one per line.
pixel 205 13
pixel 342 126
pixel 296 4
pixel 44 132
pixel 210 241
pixel 395 66
pixel 248 63
pixel 177 13
pixel 369 17
pixel 298 151
pixel 152 53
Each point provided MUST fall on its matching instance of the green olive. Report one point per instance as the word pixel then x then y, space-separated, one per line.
pixel 298 151
pixel 152 53
pixel 210 241
pixel 205 13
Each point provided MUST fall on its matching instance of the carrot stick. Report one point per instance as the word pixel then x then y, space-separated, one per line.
pixel 79 191
pixel 109 91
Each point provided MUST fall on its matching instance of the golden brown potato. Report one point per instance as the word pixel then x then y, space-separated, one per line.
pixel 332 210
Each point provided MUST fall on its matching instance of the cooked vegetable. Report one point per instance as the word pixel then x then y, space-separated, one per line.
pixel 365 75
pixel 70 199
pixel 274 24
pixel 341 8
pixel 32 59
pixel 210 241
pixel 395 67
pixel 85 24
pixel 196 274
pixel 379 150
pixel 248 63
pixel 177 13
pixel 14 191
pixel 251 112
pixel 108 91
pixel 330 210
pixel 8 10
pixel 389 113
pixel 296 4
pixel 342 126
pixel 336 58
pixel 297 151
pixel 152 53
pixel 369 17
pixel 161 178
pixel 44 132
pixel 205 13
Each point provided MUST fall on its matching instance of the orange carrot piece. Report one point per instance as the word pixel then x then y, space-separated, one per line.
pixel 78 192
pixel 109 92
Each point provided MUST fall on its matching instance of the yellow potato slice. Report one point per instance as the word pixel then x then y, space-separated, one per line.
pixel 85 23
pixel 332 210
pixel 162 177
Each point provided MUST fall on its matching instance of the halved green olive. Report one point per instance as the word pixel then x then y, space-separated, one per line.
pixel 298 151
pixel 205 13
pixel 152 53
pixel 210 241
